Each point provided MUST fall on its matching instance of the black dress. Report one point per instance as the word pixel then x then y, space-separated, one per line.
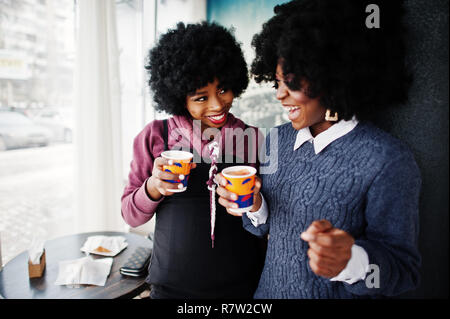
pixel 184 265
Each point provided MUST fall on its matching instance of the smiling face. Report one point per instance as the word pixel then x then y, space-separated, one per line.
pixel 303 110
pixel 210 104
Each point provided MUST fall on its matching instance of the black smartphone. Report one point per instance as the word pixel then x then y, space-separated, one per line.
pixel 137 264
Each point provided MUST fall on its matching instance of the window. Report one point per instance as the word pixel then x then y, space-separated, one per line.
pixel 36 121
pixel 257 105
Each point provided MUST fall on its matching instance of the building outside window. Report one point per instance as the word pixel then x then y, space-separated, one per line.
pixel 37 44
pixel 36 113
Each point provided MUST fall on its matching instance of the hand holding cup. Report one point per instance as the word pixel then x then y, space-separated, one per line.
pixel 164 182
pixel 244 195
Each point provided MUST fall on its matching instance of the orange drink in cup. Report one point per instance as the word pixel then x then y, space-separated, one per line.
pixel 181 165
pixel 241 181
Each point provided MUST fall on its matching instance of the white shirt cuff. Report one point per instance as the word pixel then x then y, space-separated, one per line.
pixel 260 216
pixel 357 267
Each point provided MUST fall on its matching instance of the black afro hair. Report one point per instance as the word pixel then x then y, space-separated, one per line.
pixel 353 69
pixel 191 56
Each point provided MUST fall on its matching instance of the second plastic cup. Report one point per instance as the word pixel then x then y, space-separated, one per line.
pixel 241 181
pixel 181 165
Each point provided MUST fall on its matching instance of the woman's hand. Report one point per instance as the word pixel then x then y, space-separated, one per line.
pixel 156 186
pixel 227 198
pixel 330 248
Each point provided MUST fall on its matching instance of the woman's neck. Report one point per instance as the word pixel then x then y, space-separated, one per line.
pixel 318 128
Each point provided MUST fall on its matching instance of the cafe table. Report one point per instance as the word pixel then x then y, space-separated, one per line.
pixel 16 284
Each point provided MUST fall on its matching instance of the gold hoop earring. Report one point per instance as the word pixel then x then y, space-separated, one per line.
pixel 330 118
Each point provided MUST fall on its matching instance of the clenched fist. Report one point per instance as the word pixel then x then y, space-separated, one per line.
pixel 330 248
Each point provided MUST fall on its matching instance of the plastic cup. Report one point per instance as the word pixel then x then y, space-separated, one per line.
pixel 181 165
pixel 241 181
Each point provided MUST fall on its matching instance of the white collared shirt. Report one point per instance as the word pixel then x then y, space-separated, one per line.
pixel 358 265
pixel 325 138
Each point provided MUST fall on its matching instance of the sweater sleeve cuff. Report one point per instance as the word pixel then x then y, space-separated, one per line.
pixel 260 216
pixel 143 201
pixel 357 267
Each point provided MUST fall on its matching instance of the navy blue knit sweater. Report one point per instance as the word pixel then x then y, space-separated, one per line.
pixel 366 183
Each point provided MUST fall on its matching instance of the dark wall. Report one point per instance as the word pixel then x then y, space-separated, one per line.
pixel 423 125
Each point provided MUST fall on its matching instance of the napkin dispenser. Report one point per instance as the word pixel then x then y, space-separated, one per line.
pixel 36 270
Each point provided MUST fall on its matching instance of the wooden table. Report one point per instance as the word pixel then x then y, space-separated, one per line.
pixel 15 283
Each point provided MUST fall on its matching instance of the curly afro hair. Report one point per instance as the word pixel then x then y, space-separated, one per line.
pixel 353 69
pixel 191 56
